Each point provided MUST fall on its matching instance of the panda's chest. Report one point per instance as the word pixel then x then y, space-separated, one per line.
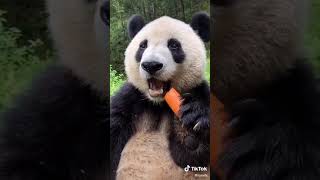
pixel 146 155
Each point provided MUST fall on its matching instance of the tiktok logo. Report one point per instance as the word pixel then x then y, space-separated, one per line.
pixel 195 169
pixel 186 169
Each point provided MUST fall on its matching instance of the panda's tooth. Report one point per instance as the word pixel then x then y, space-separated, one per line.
pixel 150 85
pixel 155 92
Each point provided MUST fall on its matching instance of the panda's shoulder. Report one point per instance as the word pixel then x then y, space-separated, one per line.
pixel 54 90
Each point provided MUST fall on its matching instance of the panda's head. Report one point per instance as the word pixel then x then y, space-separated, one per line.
pixel 166 53
pixel 255 42
pixel 80 31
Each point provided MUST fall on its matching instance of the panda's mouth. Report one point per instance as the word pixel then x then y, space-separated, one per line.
pixel 157 87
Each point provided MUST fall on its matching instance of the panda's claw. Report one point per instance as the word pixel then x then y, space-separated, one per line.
pixel 193 117
pixel 203 123
pixel 185 111
pixel 248 114
pixel 187 96
pixel 234 121
pixel 189 117
pixel 194 112
pixel 197 126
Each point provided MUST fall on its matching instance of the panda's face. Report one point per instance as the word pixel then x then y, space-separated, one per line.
pixel 80 32
pixel 165 53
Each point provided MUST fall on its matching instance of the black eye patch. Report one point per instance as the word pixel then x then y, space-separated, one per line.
pixel 176 50
pixel 142 47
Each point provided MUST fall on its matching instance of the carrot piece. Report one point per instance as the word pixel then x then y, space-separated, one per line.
pixel 173 99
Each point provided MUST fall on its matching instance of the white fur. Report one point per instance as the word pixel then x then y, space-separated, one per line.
pixel 183 76
pixel 162 55
pixel 81 39
pixel 146 155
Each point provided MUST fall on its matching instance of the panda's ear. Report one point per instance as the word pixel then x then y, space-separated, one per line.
pixel 222 2
pixel 135 24
pixel 201 24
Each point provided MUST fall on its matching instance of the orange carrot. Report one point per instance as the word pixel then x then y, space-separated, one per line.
pixel 173 99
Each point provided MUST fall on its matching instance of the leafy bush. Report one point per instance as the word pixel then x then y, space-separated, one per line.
pixel 116 80
pixel 17 63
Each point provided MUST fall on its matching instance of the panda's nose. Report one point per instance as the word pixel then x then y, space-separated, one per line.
pixel 152 66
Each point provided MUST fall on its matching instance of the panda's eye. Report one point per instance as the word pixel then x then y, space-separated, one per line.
pixel 143 44
pixel 174 44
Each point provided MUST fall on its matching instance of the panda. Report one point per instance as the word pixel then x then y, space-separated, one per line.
pixel 57 128
pixel 147 140
pixel 268 89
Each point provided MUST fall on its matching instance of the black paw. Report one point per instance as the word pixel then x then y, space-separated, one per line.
pixel 247 114
pixel 194 114
pixel 189 143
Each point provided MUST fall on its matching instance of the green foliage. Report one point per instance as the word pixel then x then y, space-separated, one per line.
pixel 207 72
pixel 17 63
pixel 116 80
pixel 313 35
pixel 29 16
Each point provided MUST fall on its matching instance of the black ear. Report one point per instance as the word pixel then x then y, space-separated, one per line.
pixel 105 12
pixel 201 24
pixel 222 2
pixel 135 24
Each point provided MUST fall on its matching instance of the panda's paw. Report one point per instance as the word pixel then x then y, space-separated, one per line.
pixel 194 114
pixel 247 114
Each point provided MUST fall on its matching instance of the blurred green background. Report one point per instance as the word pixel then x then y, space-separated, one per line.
pixel 25 45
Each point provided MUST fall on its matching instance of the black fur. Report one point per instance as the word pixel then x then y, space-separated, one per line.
pixel 142 47
pixel 201 24
pixel 126 105
pixel 213 175
pixel 176 50
pixel 57 130
pixel 129 103
pixel 223 2
pixel 195 109
pixel 276 133
pixel 105 12
pixel 135 24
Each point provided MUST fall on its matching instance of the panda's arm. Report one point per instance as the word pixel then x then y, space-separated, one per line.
pixel 195 108
pixel 124 106
pixel 56 130
pixel 276 134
